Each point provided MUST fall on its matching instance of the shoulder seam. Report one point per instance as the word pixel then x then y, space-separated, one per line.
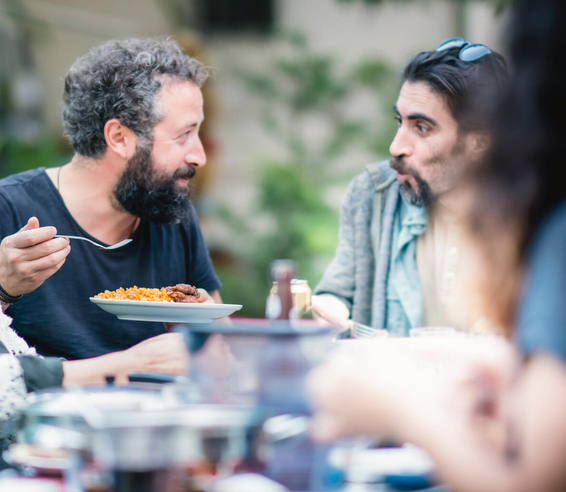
pixel 10 204
pixel 9 185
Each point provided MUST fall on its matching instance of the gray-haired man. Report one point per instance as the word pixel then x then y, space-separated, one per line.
pixel 132 112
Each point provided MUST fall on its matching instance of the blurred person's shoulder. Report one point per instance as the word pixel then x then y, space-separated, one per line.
pixel 541 315
pixel 552 231
pixel 22 192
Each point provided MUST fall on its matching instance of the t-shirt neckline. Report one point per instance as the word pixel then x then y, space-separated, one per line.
pixel 55 191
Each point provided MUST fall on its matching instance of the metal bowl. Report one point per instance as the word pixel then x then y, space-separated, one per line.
pixel 138 428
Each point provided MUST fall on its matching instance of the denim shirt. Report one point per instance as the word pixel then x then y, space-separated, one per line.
pixel 374 271
pixel 404 306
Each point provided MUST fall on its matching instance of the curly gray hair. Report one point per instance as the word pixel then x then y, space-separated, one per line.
pixel 119 79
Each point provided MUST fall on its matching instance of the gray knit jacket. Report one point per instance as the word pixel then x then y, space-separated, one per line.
pixel 366 223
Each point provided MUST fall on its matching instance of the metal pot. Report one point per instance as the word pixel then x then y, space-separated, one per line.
pixel 138 428
pixel 136 437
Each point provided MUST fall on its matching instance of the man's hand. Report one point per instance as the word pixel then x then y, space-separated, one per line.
pixel 207 298
pixel 163 354
pixel 166 353
pixel 30 256
pixel 329 310
pixel 379 386
pixel 359 390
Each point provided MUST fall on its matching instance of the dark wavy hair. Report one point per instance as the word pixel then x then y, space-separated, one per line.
pixel 468 88
pixel 119 79
pixel 519 184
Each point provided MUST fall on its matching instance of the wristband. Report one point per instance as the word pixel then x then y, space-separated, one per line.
pixel 7 298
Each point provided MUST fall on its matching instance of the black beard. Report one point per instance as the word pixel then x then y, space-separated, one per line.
pixel 422 196
pixel 144 194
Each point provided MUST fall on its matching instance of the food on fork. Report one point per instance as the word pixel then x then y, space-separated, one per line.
pixel 178 293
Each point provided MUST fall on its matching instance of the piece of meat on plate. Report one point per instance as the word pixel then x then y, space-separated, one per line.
pixel 184 293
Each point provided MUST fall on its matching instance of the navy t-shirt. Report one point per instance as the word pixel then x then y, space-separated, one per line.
pixel 542 315
pixel 58 317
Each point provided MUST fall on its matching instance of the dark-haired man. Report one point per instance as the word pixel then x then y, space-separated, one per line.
pixel 132 112
pixel 397 265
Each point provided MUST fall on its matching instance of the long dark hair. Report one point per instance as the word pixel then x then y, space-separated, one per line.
pixel 466 87
pixel 518 184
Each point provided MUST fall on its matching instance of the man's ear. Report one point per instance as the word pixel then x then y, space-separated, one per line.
pixel 480 142
pixel 120 139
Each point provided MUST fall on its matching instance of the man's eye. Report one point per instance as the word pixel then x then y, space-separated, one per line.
pixel 422 128
pixel 398 120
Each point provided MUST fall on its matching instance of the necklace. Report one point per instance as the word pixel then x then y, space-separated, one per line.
pixel 136 220
pixel 134 227
pixel 58 174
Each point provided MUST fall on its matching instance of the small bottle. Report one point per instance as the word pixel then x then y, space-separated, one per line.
pixel 280 304
pixel 302 296
pixel 282 370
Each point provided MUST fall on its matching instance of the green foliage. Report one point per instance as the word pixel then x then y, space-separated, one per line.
pixel 302 226
pixel 17 156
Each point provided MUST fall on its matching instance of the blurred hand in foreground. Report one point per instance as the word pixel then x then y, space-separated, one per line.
pixel 398 387
pixel 30 256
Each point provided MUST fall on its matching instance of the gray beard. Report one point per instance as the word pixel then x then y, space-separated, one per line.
pixel 421 198
pixel 158 199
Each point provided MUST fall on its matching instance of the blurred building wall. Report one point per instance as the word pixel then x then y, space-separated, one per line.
pixel 63 30
pixel 66 29
pixel 350 32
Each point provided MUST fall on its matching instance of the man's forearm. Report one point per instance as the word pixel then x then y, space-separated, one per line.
pixel 95 370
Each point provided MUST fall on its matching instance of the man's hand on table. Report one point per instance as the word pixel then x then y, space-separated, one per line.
pixel 166 353
pixel 30 256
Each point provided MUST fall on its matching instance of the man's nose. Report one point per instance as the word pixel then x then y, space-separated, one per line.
pixel 401 144
pixel 196 155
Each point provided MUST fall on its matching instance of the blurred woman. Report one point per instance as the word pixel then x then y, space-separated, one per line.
pixel 495 419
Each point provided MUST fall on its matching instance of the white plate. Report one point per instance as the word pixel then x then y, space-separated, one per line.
pixel 167 312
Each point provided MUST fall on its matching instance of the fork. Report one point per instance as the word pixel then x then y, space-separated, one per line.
pixel 114 246
pixel 364 331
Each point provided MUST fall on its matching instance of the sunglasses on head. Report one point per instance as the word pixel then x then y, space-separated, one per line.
pixel 469 52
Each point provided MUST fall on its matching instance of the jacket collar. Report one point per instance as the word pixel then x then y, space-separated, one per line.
pixel 381 174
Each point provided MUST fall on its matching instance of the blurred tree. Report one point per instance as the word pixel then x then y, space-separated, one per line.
pixel 293 92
